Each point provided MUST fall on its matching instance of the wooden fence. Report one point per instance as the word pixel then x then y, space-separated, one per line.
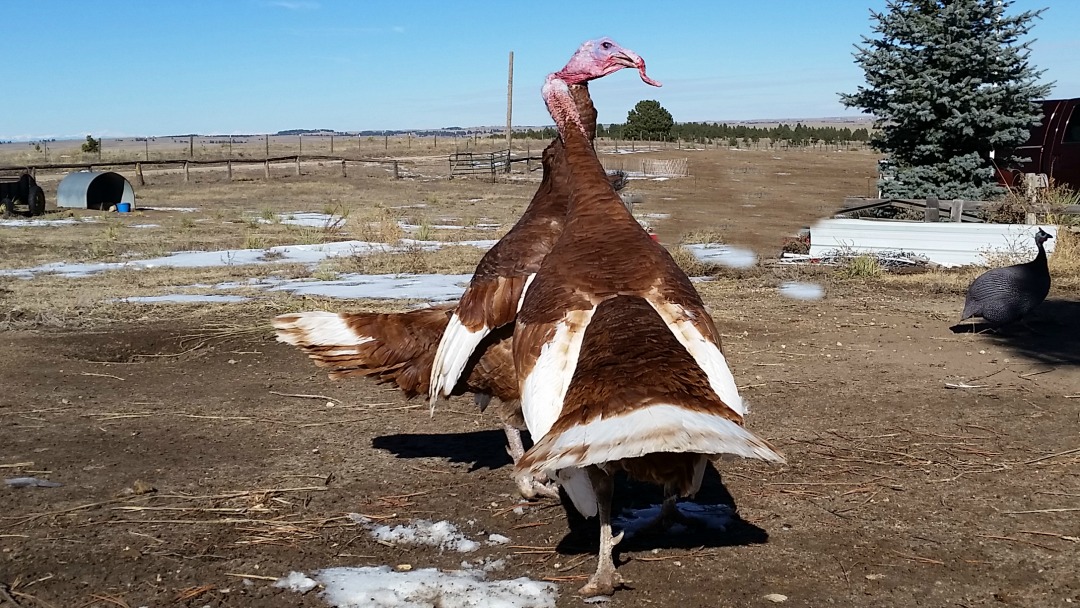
pixel 931 207
pixel 225 164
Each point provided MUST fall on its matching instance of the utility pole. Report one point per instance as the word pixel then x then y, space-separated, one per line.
pixel 509 104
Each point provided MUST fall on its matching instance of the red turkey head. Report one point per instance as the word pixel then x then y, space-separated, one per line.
pixel 598 58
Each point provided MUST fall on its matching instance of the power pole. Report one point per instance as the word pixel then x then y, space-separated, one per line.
pixel 509 103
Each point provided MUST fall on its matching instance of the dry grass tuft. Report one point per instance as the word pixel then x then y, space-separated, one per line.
pixel 689 263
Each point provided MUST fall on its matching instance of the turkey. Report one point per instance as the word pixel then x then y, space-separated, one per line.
pixel 619 363
pixel 1004 295
pixel 502 276
pixel 399 348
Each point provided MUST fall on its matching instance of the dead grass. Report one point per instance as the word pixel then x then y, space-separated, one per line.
pixel 749 198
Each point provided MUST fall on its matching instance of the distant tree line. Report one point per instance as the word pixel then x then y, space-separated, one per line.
pixel 731 135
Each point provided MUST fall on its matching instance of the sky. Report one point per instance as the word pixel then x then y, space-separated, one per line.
pixel 124 68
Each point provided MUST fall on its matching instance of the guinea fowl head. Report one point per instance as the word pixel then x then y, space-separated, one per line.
pixel 593 59
pixel 1041 236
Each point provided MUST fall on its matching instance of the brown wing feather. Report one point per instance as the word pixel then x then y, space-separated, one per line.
pixel 492 296
pixel 402 350
pixel 630 359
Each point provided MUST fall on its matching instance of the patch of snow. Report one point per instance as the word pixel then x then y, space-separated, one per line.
pixel 296 581
pixel 430 287
pixel 180 209
pixel 414 227
pixel 657 216
pixel 802 291
pixel 660 179
pixel 714 517
pixel 382 587
pixel 303 218
pixel 145 226
pixel 416 206
pixel 182 298
pixel 302 254
pixel 441 534
pixel 37 222
pixel 714 253
pixel 498 539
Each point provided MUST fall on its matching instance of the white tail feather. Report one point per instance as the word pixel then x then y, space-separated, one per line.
pixel 455 348
pixel 543 390
pixel 318 328
pixel 660 427
pixel 579 488
pixel 705 353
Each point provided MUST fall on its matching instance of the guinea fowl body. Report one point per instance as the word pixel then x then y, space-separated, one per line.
pixel 1005 295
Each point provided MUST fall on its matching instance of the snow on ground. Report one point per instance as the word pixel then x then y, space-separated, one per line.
pixel 37 222
pixel 429 287
pixel 713 253
pixel 441 534
pixel 145 226
pixel 383 587
pixel 802 291
pixel 179 209
pixel 183 298
pixel 303 218
pixel 303 254
pixel 713 517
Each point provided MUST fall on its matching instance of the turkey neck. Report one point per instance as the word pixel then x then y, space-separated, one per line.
pixel 591 195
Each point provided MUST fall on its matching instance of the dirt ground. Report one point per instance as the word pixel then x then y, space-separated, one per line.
pixel 201 460
pixel 900 489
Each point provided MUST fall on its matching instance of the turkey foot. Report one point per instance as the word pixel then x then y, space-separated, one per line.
pixel 605 580
pixel 529 487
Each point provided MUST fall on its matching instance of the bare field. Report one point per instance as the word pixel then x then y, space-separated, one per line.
pixel 924 467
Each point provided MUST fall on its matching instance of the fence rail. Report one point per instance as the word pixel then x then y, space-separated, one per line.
pixel 226 163
pixel 931 207
pixel 479 163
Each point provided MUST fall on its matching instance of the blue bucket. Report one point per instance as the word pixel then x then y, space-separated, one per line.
pixel 123 207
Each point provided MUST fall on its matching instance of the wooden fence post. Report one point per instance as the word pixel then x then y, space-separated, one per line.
pixel 396 174
pixel 187 173
pixel 266 169
pixel 343 168
pixel 298 165
pixel 228 169
pixel 957 211
pixel 932 213
pixel 139 174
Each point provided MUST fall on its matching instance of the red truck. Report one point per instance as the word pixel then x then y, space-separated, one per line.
pixel 1053 149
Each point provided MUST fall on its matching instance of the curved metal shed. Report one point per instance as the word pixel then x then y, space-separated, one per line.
pixel 94 190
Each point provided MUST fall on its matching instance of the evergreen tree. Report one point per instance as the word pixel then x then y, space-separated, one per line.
pixel 648 120
pixel 948 82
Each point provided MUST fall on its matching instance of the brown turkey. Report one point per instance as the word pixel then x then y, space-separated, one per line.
pixel 618 360
pixel 399 348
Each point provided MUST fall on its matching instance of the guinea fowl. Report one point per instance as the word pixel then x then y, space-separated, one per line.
pixel 619 363
pixel 1003 295
pixel 502 277
pixel 399 348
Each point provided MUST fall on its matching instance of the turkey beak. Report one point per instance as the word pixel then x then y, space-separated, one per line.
pixel 631 59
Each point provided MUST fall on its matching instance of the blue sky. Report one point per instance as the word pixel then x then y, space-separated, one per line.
pixel 155 67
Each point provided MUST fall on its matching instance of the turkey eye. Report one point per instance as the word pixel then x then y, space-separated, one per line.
pixel 605 45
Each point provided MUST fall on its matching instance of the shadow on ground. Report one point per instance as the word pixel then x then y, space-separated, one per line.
pixel 584 534
pixel 487 449
pixel 479 449
pixel 1050 334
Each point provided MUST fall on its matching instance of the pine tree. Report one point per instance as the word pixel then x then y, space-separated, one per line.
pixel 648 120
pixel 949 83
